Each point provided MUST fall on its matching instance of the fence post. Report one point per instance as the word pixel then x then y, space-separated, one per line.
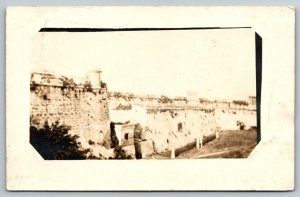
pixel 173 153
pixel 197 143
pixel 201 141
pixel 217 135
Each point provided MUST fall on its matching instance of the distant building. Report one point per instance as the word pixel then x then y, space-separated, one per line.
pixel 44 78
pixel 252 100
pixel 49 79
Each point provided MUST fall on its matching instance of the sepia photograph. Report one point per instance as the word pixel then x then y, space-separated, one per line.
pixel 185 93
pixel 146 98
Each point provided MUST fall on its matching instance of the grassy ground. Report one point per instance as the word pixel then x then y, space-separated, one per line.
pixel 231 144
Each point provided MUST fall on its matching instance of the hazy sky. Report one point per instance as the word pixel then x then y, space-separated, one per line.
pixel 214 63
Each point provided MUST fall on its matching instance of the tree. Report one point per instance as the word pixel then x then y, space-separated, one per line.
pixel 55 143
pixel 103 85
pixel 164 99
pixel 67 83
pixel 240 102
pixel 120 153
pixel 241 125
pixel 88 86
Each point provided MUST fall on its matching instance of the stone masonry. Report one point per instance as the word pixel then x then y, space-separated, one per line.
pixel 84 109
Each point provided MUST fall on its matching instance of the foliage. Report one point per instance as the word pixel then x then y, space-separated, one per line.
pixel 173 114
pixel 68 83
pixel 117 94
pixel 121 154
pixel 91 142
pixel 87 86
pixel 55 143
pixel 103 85
pixel 240 102
pixel 164 99
pixel 33 86
pixel 185 100
pixel 131 96
pixel 241 125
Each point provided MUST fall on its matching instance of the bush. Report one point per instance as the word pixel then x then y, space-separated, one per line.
pixel 33 86
pixel 91 142
pixel 87 86
pixel 240 102
pixel 164 100
pixel 55 143
pixel 121 154
pixel 67 83
pixel 241 125
pixel 103 85
pixel 117 94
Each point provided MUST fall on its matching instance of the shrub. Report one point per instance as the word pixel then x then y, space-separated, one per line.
pixel 103 85
pixel 67 83
pixel 241 125
pixel 91 142
pixel 121 154
pixel 87 86
pixel 33 86
pixel 236 102
pixel 117 94
pixel 55 143
pixel 164 100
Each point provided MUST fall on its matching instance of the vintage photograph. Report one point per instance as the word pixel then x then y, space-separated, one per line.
pixel 150 98
pixel 143 93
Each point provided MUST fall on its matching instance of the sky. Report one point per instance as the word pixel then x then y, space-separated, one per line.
pixel 215 64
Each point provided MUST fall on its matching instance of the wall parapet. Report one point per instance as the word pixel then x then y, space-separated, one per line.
pixel 84 109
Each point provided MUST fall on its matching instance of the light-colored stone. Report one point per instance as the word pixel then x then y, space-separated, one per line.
pixel 85 112
pixel 146 147
pixel 129 150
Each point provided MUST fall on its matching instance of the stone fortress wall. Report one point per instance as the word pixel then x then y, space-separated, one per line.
pixel 87 107
pixel 173 123
pixel 83 107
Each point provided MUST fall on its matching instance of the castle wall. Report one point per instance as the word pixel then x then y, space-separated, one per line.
pixel 161 121
pixel 86 112
pixel 164 131
pixel 227 118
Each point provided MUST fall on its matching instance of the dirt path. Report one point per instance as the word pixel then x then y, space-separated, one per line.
pixel 211 155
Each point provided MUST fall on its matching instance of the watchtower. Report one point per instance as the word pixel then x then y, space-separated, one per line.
pixel 94 76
